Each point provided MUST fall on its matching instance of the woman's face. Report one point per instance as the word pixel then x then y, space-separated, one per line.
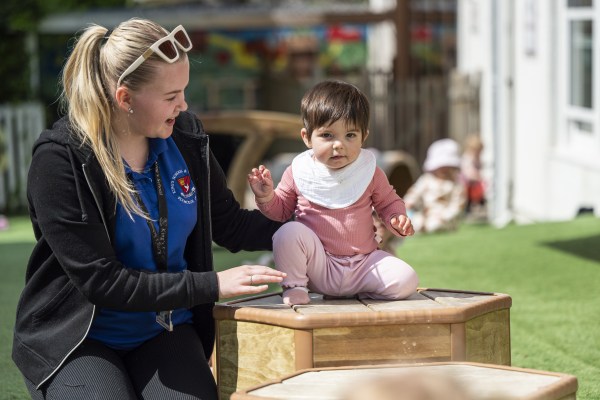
pixel 156 104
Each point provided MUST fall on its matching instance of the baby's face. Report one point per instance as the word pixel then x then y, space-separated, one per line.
pixel 336 145
pixel 447 173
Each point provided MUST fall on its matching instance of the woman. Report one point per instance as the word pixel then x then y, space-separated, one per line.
pixel 125 199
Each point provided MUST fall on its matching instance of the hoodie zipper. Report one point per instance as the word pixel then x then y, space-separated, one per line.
pixel 87 179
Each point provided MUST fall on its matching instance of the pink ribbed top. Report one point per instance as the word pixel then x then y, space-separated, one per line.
pixel 345 231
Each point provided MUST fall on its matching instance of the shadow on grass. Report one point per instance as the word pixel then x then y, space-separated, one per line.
pixel 586 247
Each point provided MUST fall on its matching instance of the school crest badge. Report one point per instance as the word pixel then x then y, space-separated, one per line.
pixel 182 187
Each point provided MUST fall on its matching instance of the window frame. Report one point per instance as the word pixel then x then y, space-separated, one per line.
pixel 572 141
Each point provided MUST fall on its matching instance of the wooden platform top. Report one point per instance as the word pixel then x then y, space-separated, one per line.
pixel 425 306
pixel 479 381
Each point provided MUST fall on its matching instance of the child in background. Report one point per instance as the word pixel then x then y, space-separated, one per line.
pixel 436 201
pixel 331 190
pixel 471 173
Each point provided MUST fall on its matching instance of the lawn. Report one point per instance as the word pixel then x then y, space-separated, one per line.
pixel 547 269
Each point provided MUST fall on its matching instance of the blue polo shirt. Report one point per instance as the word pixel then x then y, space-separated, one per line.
pixel 133 243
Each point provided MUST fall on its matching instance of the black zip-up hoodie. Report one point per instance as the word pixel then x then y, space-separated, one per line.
pixel 73 270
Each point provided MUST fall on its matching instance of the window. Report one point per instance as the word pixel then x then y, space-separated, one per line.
pixel 581 51
pixel 580 3
pixel 578 133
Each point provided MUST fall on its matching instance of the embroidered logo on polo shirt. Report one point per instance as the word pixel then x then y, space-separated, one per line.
pixel 184 184
pixel 182 188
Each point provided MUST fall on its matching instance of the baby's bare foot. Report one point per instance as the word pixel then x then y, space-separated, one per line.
pixel 295 296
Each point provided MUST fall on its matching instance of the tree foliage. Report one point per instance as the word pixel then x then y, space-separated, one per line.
pixel 18 19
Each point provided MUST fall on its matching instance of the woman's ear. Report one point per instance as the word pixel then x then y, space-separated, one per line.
pixel 306 138
pixel 123 98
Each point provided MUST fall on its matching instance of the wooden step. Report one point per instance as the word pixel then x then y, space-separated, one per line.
pixel 261 339
pixel 448 381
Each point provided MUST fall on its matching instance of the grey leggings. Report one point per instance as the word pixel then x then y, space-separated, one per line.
pixel 170 366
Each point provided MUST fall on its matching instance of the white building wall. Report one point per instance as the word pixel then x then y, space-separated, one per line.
pixel 515 44
pixel 553 182
pixel 484 43
pixel 534 101
pixel 576 184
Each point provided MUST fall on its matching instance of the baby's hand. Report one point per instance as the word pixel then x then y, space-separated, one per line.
pixel 402 225
pixel 261 183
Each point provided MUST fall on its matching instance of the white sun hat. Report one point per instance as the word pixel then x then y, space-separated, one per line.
pixel 442 153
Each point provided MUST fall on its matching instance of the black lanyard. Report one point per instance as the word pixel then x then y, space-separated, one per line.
pixel 159 239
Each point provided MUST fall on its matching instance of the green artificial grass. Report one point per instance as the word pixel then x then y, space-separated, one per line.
pixel 550 270
pixel 15 245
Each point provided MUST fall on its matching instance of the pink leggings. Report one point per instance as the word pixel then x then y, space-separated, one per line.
pixel 378 275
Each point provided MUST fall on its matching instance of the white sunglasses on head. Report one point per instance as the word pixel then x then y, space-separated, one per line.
pixel 166 48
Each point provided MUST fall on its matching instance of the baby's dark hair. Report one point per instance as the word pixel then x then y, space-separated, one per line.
pixel 330 101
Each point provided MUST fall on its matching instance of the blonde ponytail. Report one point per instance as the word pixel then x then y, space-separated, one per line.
pixel 89 79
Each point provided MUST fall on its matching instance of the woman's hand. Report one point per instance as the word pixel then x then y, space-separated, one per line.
pixel 261 183
pixel 247 279
pixel 403 225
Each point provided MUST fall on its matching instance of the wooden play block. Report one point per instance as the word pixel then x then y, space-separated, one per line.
pixel 261 339
pixel 473 380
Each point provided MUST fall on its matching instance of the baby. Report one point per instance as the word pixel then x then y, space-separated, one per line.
pixel 331 190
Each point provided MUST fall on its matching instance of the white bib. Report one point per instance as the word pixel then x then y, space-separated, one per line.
pixel 333 188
